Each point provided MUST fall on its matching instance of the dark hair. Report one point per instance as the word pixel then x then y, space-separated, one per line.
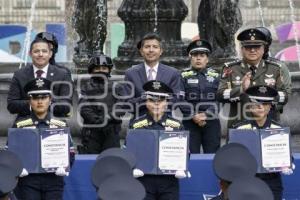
pixel 38 40
pixel 148 36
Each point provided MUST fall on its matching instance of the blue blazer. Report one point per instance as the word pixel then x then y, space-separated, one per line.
pixel 137 76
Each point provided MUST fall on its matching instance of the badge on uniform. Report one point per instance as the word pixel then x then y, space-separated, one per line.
pixel 193 81
pixel 237 81
pixel 210 79
pixel 269 80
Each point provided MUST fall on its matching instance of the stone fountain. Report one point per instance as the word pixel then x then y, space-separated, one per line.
pixel 143 16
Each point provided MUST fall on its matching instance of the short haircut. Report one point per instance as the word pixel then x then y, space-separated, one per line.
pixel 38 40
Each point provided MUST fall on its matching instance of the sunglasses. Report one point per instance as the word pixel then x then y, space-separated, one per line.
pixel 249 47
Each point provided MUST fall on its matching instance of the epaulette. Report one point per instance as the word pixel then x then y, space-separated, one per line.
pixel 57 122
pixel 273 62
pixel 242 125
pixel 211 72
pixel 234 62
pixel 140 124
pixel 172 123
pixel 24 123
pixel 187 73
pixel 275 124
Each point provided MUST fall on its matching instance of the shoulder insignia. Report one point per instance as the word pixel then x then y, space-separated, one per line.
pixel 245 126
pixel 24 123
pixel 234 62
pixel 140 124
pixel 273 62
pixel 275 124
pixel 172 123
pixel 212 73
pixel 187 73
pixel 57 122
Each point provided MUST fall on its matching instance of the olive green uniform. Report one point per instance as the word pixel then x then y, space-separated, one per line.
pixel 268 73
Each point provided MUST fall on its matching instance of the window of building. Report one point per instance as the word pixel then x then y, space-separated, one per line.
pixel 40 3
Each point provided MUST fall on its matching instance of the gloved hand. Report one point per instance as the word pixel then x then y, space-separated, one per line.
pixel 61 172
pixel 137 173
pixel 24 173
pixel 182 174
pixel 288 170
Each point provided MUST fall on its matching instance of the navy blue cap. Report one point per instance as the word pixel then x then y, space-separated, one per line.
pixel 252 37
pixel 249 188
pixel 234 160
pixel 201 46
pixel 122 153
pixel 154 89
pixel 11 160
pixel 261 93
pixel 109 166
pixel 121 187
pixel 8 180
pixel 38 86
pixel 148 36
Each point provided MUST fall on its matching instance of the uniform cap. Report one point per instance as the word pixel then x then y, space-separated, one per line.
pixel 252 37
pixel 11 160
pixel 121 153
pixel 249 188
pixel 232 161
pixel 99 60
pixel 201 46
pixel 121 187
pixel 148 36
pixel 8 180
pixel 38 86
pixel 157 89
pixel 261 93
pixel 109 166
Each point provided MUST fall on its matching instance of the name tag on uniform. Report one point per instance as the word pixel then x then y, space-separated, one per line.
pixel 193 81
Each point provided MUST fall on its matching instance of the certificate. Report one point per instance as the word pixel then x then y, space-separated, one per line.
pixel 172 151
pixel 159 151
pixel 54 149
pixel 275 145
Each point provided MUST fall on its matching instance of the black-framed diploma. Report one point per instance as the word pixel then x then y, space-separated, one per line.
pixel 270 147
pixel 159 151
pixel 41 150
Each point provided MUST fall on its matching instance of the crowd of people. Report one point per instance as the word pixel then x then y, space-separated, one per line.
pixel 256 86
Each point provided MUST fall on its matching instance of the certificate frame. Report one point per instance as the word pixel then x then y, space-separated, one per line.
pixel 260 143
pixel 26 143
pixel 145 145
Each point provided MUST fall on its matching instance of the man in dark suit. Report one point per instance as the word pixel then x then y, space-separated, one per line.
pixel 17 99
pixel 150 48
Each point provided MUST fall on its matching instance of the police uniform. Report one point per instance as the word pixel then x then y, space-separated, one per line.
pixel 46 186
pixel 230 162
pixel 267 73
pixel 200 87
pixel 266 95
pixel 10 168
pixel 96 139
pixel 158 187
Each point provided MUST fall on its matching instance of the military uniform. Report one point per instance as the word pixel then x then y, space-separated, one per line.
pixel 268 73
pixel 159 187
pixel 200 87
pixel 46 185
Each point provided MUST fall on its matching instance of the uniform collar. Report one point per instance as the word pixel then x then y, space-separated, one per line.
pixel 36 120
pixel 161 121
pixel 266 125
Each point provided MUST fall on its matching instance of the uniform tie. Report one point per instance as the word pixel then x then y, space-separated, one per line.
pixel 253 70
pixel 150 74
pixel 39 73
